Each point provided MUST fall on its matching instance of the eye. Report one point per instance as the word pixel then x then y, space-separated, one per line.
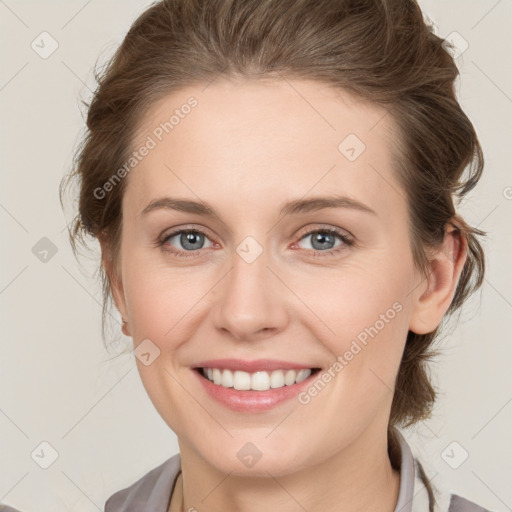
pixel 322 241
pixel 191 240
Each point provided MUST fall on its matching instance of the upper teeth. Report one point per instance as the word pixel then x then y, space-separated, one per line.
pixel 258 381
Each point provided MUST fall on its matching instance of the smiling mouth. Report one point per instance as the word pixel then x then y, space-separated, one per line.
pixel 256 381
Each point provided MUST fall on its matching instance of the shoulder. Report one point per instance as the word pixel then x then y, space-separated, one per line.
pixel 443 499
pixel 150 492
pixel 460 504
pixel 437 496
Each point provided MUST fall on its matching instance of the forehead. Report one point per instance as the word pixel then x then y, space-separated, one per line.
pixel 275 139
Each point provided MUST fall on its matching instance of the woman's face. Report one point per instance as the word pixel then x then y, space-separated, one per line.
pixel 270 279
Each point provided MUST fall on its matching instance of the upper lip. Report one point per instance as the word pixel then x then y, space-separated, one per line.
pixel 252 366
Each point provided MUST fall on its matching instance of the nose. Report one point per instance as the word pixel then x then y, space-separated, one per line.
pixel 251 301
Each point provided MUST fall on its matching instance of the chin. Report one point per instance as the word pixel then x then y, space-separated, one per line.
pixel 258 459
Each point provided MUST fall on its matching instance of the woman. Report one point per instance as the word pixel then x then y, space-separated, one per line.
pixel 272 184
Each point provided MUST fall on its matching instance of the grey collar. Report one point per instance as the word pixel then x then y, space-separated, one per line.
pixel 407 476
pixel 151 493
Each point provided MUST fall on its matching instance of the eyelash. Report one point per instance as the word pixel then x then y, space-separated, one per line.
pixel 347 242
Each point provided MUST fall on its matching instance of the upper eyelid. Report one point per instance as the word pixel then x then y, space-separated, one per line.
pixel 338 231
pixel 177 231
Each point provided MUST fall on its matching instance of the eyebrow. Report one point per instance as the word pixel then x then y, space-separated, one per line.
pixel 296 206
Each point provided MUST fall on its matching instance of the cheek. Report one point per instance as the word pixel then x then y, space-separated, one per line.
pixel 362 319
pixel 161 308
pixel 350 302
pixel 159 300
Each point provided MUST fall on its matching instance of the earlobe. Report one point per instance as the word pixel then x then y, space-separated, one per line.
pixel 446 264
pixel 125 328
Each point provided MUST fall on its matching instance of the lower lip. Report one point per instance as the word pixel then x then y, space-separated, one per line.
pixel 252 401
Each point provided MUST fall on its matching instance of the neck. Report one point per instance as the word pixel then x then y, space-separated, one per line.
pixel 360 477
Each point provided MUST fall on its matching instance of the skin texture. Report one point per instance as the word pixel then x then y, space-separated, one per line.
pixel 245 149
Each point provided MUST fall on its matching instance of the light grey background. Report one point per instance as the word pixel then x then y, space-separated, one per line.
pixel 57 383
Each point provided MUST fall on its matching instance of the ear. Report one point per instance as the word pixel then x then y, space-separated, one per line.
pixel 433 300
pixel 116 284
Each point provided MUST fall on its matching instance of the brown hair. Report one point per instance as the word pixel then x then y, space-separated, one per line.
pixel 382 51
